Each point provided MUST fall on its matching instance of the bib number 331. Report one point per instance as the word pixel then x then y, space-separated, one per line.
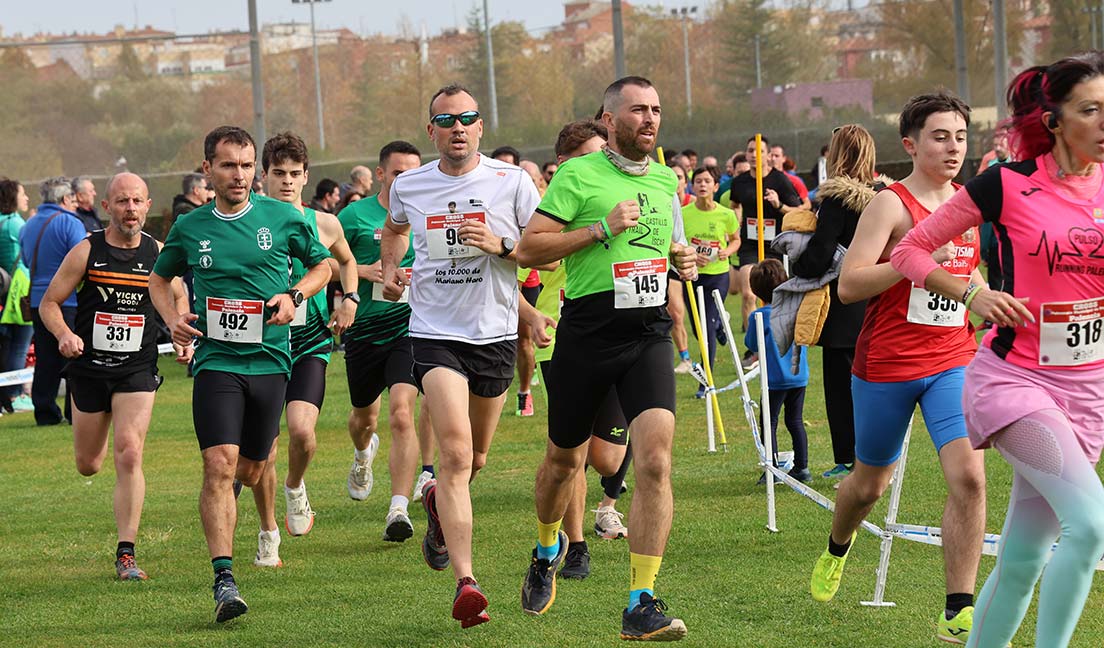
pixel 640 284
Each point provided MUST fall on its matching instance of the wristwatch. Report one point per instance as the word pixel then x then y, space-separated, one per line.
pixel 296 297
pixel 352 296
pixel 507 247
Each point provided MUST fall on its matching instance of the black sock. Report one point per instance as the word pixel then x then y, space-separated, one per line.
pixel 222 566
pixel 124 548
pixel 837 550
pixel 577 545
pixel 957 601
pixel 429 469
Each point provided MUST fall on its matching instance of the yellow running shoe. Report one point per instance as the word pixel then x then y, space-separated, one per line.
pixel 956 630
pixel 827 573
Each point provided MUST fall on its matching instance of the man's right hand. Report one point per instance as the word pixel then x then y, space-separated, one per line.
pixel 182 331
pixel 394 285
pixel 623 216
pixel 70 345
pixel 372 272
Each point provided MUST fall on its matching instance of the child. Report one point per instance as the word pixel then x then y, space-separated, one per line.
pixel 785 387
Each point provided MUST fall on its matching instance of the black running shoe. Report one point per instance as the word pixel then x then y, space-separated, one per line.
pixel 228 602
pixel 577 563
pixel 433 544
pixel 647 622
pixel 538 592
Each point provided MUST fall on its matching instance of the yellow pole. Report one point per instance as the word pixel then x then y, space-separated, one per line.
pixel 759 191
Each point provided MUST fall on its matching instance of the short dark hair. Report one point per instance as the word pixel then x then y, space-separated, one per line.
pixel 919 108
pixel 575 134
pixel 765 277
pixel 507 150
pixel 738 158
pixel 284 147
pixel 397 147
pixel 449 90
pixel 613 92
pixel 690 153
pixel 230 134
pixel 324 188
pixel 765 139
pixel 9 196
pixel 707 170
pixel 544 167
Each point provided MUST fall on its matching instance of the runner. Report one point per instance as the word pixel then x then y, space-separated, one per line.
pixel 1034 389
pixel 464 213
pixel 610 213
pixel 113 355
pixel 913 349
pixel 238 248
pixel 284 165
pixel 377 352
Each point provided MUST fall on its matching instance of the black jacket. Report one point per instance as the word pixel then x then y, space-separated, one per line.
pixel 181 205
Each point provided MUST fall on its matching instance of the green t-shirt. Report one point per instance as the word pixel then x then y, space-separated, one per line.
pixel 377 321
pixel 239 262
pixel 312 337
pixel 584 191
pixel 706 230
pixel 548 302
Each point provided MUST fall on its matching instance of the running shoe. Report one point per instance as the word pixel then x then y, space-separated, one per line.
pixel 525 405
pixel 535 381
pixel 469 606
pixel 647 622
pixel 957 629
pixel 7 405
pixel 268 549
pixel 127 569
pixel 801 474
pixel 683 367
pixel 237 488
pixel 827 574
pixel 722 337
pixel 397 526
pixel 23 403
pixel 360 475
pixel 538 591
pixel 700 394
pixel 228 601
pixel 749 361
pixel 607 523
pixel 839 471
pixel 433 544
pixel 423 479
pixel 300 518
pixel 577 563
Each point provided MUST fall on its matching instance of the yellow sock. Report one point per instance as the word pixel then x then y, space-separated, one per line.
pixel 643 572
pixel 548 534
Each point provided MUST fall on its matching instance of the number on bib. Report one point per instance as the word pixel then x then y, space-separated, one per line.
pixel 709 249
pixel 1071 333
pixel 640 284
pixel 443 235
pixel 235 320
pixel 931 309
pixel 769 229
pixel 118 333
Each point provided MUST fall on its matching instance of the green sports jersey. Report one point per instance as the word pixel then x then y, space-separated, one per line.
pixel 378 321
pixel 549 302
pixel 584 191
pixel 708 232
pixel 239 262
pixel 310 335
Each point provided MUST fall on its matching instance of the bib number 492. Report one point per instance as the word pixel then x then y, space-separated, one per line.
pixel 233 321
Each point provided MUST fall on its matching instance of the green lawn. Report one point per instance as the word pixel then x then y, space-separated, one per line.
pixel 733 582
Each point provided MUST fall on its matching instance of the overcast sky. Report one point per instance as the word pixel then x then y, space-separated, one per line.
pixel 196 16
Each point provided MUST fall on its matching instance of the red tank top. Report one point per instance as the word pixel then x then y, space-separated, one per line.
pixel 909 333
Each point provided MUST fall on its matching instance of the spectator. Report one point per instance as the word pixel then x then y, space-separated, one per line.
pixel 44 241
pixel 691 160
pixel 736 165
pixel 776 160
pixel 534 172
pixel 507 154
pixel 710 162
pixel 85 191
pixel 258 187
pixel 819 172
pixel 350 198
pixel 788 167
pixel 15 333
pixel 990 251
pixel 360 181
pixel 194 193
pixel 548 169
pixel 327 196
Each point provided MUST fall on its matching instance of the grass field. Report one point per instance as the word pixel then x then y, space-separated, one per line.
pixel 733 582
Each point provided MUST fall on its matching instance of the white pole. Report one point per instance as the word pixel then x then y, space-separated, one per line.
pixel 891 519
pixel 764 413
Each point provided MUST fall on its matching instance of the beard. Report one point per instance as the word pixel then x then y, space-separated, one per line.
pixel 625 137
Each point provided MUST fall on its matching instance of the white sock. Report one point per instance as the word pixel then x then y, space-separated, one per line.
pixel 363 455
pixel 296 489
pixel 275 533
pixel 400 500
pixel 523 393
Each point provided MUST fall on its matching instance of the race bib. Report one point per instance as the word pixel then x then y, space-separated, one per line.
pixel 709 249
pixel 1070 333
pixel 118 333
pixel 235 320
pixel 931 309
pixel 377 290
pixel 300 318
pixel 443 235
pixel 753 229
pixel 640 284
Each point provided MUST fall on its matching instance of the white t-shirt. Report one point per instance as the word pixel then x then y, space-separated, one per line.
pixel 457 292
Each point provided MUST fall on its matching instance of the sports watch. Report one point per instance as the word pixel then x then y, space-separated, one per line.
pixel 296 297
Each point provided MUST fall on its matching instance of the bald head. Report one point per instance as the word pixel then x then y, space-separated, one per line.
pixel 128 180
pixel 127 204
pixel 361 179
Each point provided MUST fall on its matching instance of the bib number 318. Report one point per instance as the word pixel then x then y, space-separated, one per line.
pixel 1071 333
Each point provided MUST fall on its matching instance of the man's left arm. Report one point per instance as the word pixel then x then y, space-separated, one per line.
pixel 333 237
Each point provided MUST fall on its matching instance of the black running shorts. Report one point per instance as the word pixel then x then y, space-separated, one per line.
pixel 609 424
pixel 239 410
pixel 308 381
pixel 92 395
pixel 488 368
pixel 372 368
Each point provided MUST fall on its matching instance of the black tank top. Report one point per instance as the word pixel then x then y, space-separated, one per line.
pixel 115 316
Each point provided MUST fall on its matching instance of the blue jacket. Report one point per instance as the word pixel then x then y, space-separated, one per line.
pixel 65 231
pixel 779 372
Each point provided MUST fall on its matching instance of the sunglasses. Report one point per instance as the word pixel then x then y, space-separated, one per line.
pixel 446 120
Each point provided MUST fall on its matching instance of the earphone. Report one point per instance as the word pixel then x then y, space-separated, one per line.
pixel 1052 121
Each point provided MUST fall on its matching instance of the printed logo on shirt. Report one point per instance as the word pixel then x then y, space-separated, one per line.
pixel 1028 192
pixel 206 261
pixel 205 246
pixel 264 238
pixel 1083 243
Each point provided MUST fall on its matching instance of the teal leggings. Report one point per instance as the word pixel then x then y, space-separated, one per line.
pixel 1055 493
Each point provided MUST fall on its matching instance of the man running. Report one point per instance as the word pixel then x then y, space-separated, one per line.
pixel 610 215
pixel 913 349
pixel 238 248
pixel 464 212
pixel 284 163
pixel 113 353
pixel 377 351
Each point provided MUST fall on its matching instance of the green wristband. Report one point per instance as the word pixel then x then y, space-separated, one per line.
pixel 970 296
pixel 606 229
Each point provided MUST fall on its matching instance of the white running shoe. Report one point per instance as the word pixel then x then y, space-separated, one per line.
pixel 683 367
pixel 607 523
pixel 268 549
pixel 300 518
pixel 360 475
pixel 423 479
pixel 397 526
